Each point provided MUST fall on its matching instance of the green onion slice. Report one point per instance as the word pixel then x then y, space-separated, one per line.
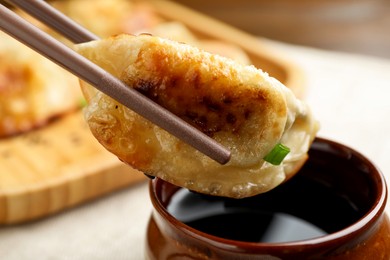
pixel 277 154
pixel 83 102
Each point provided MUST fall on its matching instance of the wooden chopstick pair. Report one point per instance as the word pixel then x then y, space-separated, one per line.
pixel 86 70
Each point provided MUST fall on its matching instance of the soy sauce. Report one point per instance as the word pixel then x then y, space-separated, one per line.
pixel 302 208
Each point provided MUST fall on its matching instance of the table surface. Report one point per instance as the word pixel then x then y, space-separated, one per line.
pixel 349 94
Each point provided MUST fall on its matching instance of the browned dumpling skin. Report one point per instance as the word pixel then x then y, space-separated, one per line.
pixel 33 90
pixel 239 106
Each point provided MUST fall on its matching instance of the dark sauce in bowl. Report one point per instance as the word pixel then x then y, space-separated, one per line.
pixel 302 208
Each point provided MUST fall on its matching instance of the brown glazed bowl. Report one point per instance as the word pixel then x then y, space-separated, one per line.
pixel 338 168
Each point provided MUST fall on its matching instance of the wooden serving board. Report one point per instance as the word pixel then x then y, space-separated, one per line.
pixel 56 167
pixel 62 165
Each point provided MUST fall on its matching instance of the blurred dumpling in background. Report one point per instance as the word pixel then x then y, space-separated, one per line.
pixel 110 17
pixel 33 90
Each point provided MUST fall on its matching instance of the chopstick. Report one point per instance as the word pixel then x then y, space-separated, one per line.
pixel 50 16
pixel 88 71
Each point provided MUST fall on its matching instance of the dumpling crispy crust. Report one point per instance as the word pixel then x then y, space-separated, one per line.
pixel 239 106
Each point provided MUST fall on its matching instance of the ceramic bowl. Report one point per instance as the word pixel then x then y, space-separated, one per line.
pixel 336 168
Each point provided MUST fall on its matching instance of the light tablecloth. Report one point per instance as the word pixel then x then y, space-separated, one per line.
pixel 349 94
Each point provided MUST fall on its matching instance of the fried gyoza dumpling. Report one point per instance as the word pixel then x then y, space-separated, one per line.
pixel 239 106
pixel 32 89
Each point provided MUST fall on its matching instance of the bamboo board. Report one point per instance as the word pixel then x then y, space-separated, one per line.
pixel 56 167
pixel 62 165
